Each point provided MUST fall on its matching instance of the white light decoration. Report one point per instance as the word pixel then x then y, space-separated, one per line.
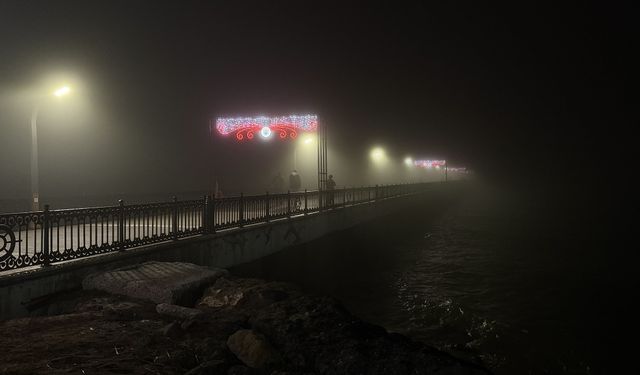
pixel 408 161
pixel 265 132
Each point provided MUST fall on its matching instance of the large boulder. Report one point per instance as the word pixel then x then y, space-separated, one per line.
pixel 247 294
pixel 252 349
pixel 159 282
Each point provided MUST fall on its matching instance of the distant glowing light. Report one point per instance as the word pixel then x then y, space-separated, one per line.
pixel 284 126
pixel 265 132
pixel 408 161
pixel 308 140
pixel 458 169
pixel 378 155
pixel 437 164
pixel 64 90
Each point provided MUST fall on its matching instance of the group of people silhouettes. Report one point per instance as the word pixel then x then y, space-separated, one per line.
pixel 295 184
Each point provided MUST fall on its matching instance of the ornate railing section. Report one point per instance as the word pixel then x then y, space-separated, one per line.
pixel 44 237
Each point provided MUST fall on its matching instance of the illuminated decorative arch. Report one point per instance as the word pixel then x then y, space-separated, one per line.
pixel 430 163
pixel 283 127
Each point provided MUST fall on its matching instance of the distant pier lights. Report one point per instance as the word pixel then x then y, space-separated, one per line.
pixel 282 127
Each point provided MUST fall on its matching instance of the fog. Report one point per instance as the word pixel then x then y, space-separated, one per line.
pixel 507 97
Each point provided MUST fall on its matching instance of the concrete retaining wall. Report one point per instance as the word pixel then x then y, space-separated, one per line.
pixel 34 292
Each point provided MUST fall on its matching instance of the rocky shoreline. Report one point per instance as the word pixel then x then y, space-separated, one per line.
pixel 232 326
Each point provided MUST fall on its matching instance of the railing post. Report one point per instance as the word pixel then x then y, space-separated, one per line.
pixel 268 207
pixel 174 223
pixel 344 196
pixel 288 203
pixel 306 208
pixel 212 213
pixel 377 191
pixel 205 214
pixel 241 208
pixel 45 237
pixel 121 224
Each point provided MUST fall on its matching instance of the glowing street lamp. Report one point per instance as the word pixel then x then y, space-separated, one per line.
pixel 408 161
pixel 305 141
pixel 62 91
pixel 378 155
pixel 35 194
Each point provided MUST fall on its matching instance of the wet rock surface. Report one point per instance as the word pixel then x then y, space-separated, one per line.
pixel 159 282
pixel 253 349
pixel 242 326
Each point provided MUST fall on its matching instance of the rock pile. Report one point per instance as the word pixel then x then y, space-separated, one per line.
pixel 238 326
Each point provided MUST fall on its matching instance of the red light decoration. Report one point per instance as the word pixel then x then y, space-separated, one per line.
pixel 286 127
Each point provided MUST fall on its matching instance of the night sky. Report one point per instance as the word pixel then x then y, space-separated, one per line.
pixel 515 92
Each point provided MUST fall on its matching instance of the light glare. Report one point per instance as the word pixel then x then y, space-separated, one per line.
pixel 64 90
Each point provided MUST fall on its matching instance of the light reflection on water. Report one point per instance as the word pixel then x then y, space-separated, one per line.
pixel 480 276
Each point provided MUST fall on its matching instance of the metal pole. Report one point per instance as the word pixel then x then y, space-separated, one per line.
pixel 446 171
pixel 212 217
pixel 45 237
pixel 288 203
pixel 241 213
pixel 205 214
pixel 344 196
pixel 174 224
pixel 35 194
pixel 267 208
pixel 212 175
pixel 121 224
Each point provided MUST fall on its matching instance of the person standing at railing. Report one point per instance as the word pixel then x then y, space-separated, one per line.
pixel 294 186
pixel 331 186
pixel 294 181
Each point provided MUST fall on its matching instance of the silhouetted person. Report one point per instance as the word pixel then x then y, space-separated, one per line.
pixel 294 186
pixel 278 183
pixel 331 186
pixel 294 181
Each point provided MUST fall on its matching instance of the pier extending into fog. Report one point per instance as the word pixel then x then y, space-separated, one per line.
pixel 209 232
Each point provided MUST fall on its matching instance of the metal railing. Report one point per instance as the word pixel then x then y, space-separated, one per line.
pixel 48 236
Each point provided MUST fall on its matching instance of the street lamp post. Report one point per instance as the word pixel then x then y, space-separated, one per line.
pixel 35 190
pixel 35 199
